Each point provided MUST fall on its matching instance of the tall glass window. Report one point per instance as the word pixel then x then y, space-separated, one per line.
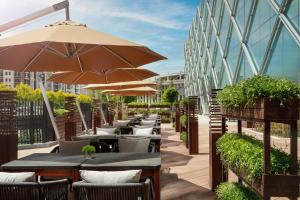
pixel 262 27
pixel 294 13
pixel 242 13
pixel 285 60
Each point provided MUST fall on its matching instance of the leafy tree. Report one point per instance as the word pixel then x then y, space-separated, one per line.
pixel 129 99
pixel 170 95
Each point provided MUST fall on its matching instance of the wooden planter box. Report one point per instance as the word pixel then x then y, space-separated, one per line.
pixel 265 109
pixel 280 185
pixel 60 122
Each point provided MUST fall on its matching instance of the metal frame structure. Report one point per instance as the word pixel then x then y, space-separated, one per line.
pixel 207 42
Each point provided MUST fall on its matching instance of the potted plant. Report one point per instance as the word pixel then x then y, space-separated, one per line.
pixel 88 151
pixel 118 131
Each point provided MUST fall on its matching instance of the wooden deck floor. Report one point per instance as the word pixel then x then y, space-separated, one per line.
pixel 184 177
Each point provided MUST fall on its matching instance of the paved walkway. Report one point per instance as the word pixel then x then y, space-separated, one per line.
pixel 184 177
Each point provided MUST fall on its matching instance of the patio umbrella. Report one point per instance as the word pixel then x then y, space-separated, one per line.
pixel 104 77
pixel 140 91
pixel 71 46
pixel 119 85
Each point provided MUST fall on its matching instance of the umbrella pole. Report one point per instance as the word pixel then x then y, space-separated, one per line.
pixel 46 100
pixel 81 115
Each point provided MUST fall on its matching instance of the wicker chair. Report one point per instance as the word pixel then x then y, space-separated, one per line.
pixel 50 190
pixel 128 191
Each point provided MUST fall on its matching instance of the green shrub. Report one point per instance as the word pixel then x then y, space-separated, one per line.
pixel 235 191
pixel 170 95
pixel 183 136
pixel 246 92
pixel 4 87
pixel 183 120
pixel 26 93
pixel 60 111
pixel 184 101
pixel 118 131
pixel 245 153
pixel 88 149
pixel 81 98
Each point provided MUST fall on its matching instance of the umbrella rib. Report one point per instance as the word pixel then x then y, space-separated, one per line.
pixel 132 75
pixel 88 50
pixel 118 55
pixel 56 51
pixel 34 58
pixel 5 49
pixel 77 51
pixel 79 77
pixel 80 64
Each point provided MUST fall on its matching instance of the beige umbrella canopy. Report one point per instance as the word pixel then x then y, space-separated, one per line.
pixel 71 46
pixel 140 91
pixel 120 85
pixel 104 77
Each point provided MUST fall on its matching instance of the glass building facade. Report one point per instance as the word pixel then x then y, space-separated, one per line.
pixel 230 40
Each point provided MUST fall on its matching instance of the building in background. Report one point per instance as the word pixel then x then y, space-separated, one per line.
pixel 163 82
pixel 12 79
pixel 231 40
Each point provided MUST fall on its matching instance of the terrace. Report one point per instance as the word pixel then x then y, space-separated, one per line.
pixel 106 145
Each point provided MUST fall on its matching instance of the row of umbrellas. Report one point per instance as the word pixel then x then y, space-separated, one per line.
pixel 78 54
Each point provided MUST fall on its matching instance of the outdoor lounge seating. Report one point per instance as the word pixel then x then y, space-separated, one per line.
pixel 49 190
pixel 90 191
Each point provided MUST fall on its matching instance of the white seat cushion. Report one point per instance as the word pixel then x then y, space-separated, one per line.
pixel 110 177
pixel 137 145
pixel 143 131
pixel 6 177
pixel 105 131
pixel 119 123
pixel 148 122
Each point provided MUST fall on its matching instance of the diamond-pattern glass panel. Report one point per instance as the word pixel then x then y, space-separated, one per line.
pixel 285 48
pixel 242 13
pixel 224 79
pixel 233 51
pixel 262 27
pixel 225 28
pixel 294 13
pixel 245 69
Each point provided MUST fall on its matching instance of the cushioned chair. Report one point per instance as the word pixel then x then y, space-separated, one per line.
pixel 134 191
pixel 136 144
pixel 70 147
pixel 50 190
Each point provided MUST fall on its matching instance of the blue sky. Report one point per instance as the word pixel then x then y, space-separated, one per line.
pixel 161 25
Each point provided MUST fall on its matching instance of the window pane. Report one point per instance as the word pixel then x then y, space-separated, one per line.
pixel 294 13
pixel 233 51
pixel 225 28
pixel 262 27
pixel 242 13
pixel 245 69
pixel 286 58
pixel 225 80
pixel 217 12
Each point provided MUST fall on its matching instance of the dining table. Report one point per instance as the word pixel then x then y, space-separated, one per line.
pixel 67 166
